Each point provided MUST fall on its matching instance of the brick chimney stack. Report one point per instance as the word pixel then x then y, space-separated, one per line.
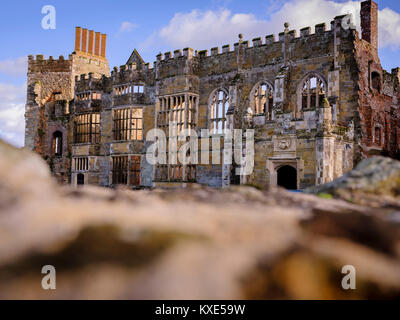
pixel 90 42
pixel 369 22
pixel 97 44
pixel 78 36
pixel 84 40
pixel 103 45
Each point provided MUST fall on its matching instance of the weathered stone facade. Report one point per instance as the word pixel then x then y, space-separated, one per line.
pixel 318 103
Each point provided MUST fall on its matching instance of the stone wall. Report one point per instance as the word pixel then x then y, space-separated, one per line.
pixel 321 141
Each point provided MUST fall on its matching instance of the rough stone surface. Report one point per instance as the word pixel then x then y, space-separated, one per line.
pixel 237 243
pixel 374 182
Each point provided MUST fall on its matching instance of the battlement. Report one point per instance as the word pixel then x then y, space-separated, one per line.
pixel 40 64
pixel 89 83
pixel 320 30
pixel 131 72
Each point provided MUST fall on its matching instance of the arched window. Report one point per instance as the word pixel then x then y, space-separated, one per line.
pixel 57 143
pixel 218 109
pixel 263 99
pixel 312 92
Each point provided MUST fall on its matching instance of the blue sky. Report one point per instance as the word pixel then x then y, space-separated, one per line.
pixel 154 26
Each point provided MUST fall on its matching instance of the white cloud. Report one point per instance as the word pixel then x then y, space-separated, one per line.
pixel 12 109
pixel 204 29
pixel 127 26
pixel 14 67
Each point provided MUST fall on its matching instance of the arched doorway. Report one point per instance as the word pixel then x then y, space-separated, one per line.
pixel 287 177
pixel 80 179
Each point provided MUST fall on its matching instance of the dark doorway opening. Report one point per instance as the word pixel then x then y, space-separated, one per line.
pixel 235 178
pixel 287 177
pixel 80 179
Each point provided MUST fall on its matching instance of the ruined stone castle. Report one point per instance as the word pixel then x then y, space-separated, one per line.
pixel 318 103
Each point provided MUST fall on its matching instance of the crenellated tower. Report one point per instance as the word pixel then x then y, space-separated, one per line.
pixel 50 90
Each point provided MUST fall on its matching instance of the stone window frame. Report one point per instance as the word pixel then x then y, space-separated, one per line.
pixel 269 105
pixel 214 120
pixel 180 108
pixel 89 95
pixel 57 143
pixel 300 88
pixel 128 89
pixel 80 164
pixel 87 128
pixel 126 170
pixel 127 127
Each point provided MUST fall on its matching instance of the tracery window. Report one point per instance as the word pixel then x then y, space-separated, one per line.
pixel 218 109
pixel 87 128
pixel 263 99
pixel 128 124
pixel 313 92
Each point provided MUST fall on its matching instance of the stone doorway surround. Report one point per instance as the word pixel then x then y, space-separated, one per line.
pixel 284 155
pixel 273 164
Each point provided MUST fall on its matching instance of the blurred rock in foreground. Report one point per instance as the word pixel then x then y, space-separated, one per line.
pixel 239 243
pixel 375 182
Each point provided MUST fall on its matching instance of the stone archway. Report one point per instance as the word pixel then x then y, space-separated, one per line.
pixel 287 177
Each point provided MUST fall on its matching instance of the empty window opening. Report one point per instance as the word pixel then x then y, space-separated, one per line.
pixel 177 110
pixel 287 177
pixel 128 124
pixel 80 164
pixel 57 143
pixel 218 110
pixel 313 92
pixel 87 128
pixel 263 100
pixel 134 171
pixel 128 89
pixel 126 170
